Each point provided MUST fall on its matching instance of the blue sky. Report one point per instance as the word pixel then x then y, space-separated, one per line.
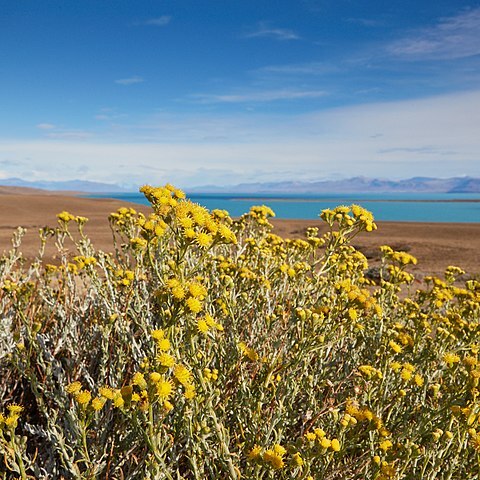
pixel 223 92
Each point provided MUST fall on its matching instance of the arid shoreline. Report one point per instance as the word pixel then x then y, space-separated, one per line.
pixel 436 245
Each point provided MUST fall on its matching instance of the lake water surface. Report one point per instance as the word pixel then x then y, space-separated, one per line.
pixel 404 207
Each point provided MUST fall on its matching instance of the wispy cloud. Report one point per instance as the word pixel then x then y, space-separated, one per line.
pixel 366 22
pixel 130 80
pixel 263 96
pixel 265 30
pixel 110 115
pixel 309 68
pixel 59 132
pixel 158 21
pixel 70 135
pixel 451 38
pixel 422 150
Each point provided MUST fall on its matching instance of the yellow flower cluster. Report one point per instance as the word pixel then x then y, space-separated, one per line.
pixel 10 421
pixel 66 217
pixel 349 217
pixel 196 223
pixel 83 397
pixel 370 372
pixel 318 438
pixel 248 352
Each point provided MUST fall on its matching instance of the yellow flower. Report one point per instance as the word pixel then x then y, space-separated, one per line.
pixel 98 403
pixel 297 460
pixel 65 217
pixel 178 292
pixel 83 397
pixel 388 470
pixel 395 366
pixel 274 459
pixel 370 372
pixel 164 389
pixel 227 234
pixel 385 445
pixel 157 334
pixel 155 377
pixel 163 344
pixel 204 240
pixel 107 392
pixel 189 233
pixel 139 379
pixel 182 374
pixel 279 450
pixel 186 222
pixel 15 409
pixel 255 453
pixel 202 326
pixel 165 360
pixel 197 290
pixel 418 379
pixel 118 400
pixel 189 392
pixel 11 421
pixel 325 442
pixel 136 397
pixel 395 346
pixel 74 387
pixel 210 321
pixel 335 446
pixel 451 358
pixel 250 353
pixel 352 313
pixel 194 305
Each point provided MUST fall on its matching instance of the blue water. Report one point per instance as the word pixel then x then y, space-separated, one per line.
pixel 402 207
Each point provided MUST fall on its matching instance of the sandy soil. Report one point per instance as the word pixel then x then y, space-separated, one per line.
pixel 435 245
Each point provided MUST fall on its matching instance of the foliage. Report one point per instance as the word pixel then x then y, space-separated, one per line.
pixel 209 348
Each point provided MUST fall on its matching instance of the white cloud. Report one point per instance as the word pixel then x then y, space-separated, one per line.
pixel 263 96
pixel 309 68
pixel 452 37
pixel 129 81
pixel 264 30
pixel 435 136
pixel 45 126
pixel 158 21
pixel 70 134
pixel 366 22
pixel 110 117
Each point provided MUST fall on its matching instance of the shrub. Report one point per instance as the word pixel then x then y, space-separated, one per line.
pixel 209 348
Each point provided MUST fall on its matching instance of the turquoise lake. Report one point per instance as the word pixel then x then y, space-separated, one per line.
pixel 401 207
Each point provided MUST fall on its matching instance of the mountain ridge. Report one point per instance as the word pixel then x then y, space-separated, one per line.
pixel 357 184
pixel 354 185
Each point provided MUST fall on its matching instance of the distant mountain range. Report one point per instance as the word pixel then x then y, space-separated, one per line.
pixel 70 185
pixel 354 185
pixel 349 185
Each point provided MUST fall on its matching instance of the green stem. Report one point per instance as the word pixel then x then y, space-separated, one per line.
pixel 18 454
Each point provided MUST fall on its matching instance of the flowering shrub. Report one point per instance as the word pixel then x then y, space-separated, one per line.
pixel 209 348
